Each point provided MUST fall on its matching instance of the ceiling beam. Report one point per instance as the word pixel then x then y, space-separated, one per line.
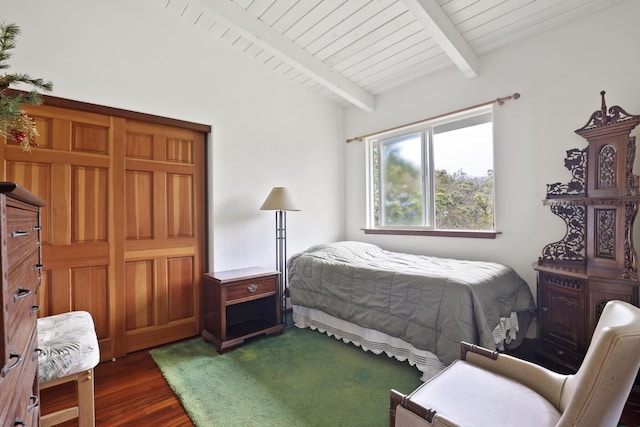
pixel 436 22
pixel 266 37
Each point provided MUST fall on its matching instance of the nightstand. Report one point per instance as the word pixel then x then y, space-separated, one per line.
pixel 240 304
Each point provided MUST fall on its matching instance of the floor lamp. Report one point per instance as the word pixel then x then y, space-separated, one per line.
pixel 281 201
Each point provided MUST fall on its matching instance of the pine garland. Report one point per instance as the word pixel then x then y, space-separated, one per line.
pixel 15 124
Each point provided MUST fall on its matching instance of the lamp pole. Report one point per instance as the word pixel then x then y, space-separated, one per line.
pixel 281 261
pixel 280 200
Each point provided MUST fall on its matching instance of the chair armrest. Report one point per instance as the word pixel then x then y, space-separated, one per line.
pixel 547 383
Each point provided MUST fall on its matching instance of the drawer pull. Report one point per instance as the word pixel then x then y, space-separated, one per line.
pixel 19 233
pixel 22 293
pixel 33 402
pixel 36 354
pixel 35 309
pixel 9 368
pixel 37 228
pixel 19 422
pixel 38 267
pixel 545 309
pixel 252 287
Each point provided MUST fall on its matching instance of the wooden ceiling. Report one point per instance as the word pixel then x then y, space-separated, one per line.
pixel 352 50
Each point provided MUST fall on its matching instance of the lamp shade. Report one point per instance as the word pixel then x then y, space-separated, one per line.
pixel 279 199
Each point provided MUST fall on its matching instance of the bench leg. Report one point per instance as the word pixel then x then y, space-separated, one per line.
pixel 84 411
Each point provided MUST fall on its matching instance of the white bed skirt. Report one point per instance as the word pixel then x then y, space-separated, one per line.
pixel 378 342
pixel 368 339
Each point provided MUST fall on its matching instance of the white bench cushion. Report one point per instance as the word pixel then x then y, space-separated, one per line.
pixel 68 345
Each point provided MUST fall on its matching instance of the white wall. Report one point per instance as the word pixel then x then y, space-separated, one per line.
pixel 559 75
pixel 267 130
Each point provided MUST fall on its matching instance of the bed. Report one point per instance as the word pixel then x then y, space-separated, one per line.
pixel 412 307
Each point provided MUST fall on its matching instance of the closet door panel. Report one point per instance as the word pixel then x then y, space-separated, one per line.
pixel 71 170
pixel 161 303
pixel 89 205
pixel 90 290
pixel 90 138
pixel 55 288
pixel 139 216
pixel 164 202
pixel 37 178
pixel 180 215
pixel 181 299
pixel 179 150
pixel 139 145
pixel 140 294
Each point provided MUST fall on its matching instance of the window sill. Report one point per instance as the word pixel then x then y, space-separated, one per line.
pixel 438 233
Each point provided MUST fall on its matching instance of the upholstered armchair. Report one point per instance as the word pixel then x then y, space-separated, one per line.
pixel 490 389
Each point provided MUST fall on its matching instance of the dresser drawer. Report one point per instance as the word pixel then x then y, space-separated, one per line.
pixel 21 303
pixel 22 234
pixel 23 315
pixel 20 348
pixel 24 277
pixel 250 289
pixel 24 402
pixel 27 402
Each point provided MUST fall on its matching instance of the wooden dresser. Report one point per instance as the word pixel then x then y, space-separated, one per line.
pixel 21 266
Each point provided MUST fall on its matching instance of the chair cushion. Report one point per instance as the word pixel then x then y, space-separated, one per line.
pixel 68 345
pixel 467 395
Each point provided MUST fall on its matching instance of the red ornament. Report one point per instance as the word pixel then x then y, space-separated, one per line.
pixel 17 135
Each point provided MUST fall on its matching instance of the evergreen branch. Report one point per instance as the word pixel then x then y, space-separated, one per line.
pixel 15 123
pixel 8 34
pixel 9 109
pixel 24 78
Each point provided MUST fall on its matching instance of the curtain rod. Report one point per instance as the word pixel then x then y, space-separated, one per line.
pixel 498 101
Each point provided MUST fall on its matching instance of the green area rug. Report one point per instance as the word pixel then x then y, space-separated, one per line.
pixel 297 379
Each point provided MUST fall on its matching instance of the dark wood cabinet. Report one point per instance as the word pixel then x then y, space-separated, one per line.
pixel 20 269
pixel 239 304
pixel 561 302
pixel 596 260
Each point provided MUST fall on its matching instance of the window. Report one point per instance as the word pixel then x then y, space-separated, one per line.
pixel 437 175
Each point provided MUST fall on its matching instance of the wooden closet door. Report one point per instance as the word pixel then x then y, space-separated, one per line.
pixel 163 232
pixel 123 230
pixel 71 170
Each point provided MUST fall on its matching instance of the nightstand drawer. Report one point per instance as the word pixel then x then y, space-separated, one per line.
pixel 250 289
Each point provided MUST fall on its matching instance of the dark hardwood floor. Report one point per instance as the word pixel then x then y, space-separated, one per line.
pixel 130 391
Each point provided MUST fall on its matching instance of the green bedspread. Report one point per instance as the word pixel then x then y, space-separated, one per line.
pixel 432 303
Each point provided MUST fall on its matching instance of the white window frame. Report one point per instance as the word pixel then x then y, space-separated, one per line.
pixel 425 129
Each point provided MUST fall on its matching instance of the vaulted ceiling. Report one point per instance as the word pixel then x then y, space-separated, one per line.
pixel 352 50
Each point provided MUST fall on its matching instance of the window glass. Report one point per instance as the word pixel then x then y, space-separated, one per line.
pixel 437 175
pixel 401 178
